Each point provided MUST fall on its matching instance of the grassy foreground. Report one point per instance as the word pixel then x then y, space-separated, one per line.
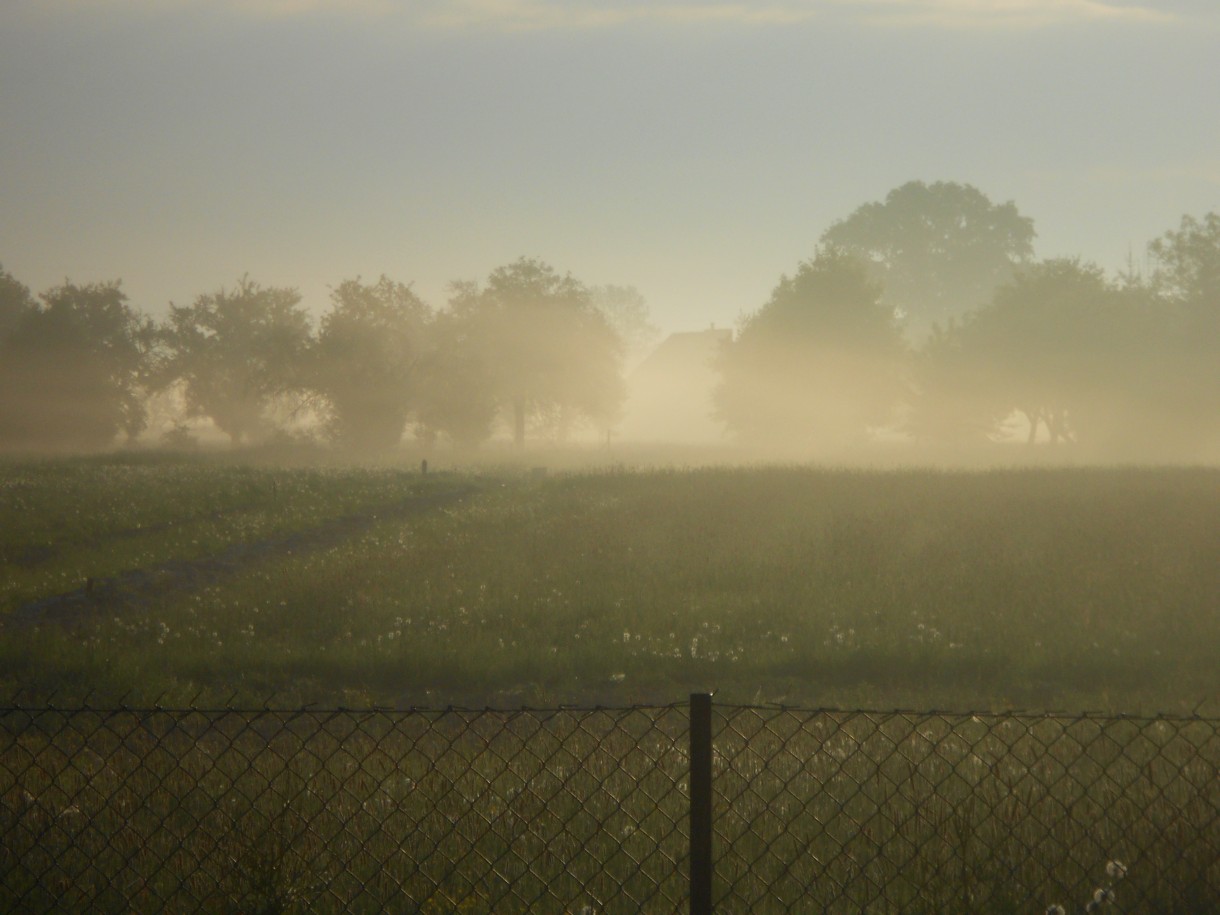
pixel 1051 589
pixel 213 583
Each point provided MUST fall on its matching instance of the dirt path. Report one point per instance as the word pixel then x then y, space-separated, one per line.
pixel 142 586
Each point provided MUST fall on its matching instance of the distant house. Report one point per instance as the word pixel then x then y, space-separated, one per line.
pixel 670 393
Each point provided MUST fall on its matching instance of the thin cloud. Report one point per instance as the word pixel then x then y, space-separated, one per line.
pixel 553 14
pixel 522 15
pixel 288 8
pixel 251 9
pixel 1005 13
pixel 565 14
pixel 1126 176
pixel 1205 172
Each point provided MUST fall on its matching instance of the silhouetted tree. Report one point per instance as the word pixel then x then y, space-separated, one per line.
pixel 817 365
pixel 366 361
pixel 456 394
pixel 1188 264
pixel 1053 345
pixel 236 351
pixel 940 250
pixel 15 302
pixel 951 401
pixel 626 311
pixel 73 368
pixel 545 348
pixel 1186 288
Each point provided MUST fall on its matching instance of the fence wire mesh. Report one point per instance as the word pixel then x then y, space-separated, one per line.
pixel 587 811
pixel 913 812
pixel 341 811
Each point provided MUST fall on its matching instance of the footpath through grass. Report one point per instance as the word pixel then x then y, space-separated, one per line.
pixel 1077 589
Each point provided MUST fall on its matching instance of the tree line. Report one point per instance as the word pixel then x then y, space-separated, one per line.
pixel 79 365
pixel 926 313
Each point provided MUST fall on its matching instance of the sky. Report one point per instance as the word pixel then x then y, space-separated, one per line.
pixel 694 149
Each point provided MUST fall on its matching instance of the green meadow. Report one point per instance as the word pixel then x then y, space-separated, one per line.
pixel 145 581
pixel 201 580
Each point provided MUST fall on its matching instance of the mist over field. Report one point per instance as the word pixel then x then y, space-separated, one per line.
pixel 533 248
pixel 920 330
pixel 881 231
pixel 179 578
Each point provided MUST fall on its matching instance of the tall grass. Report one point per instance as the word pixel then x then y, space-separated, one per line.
pixel 63 522
pixel 1073 588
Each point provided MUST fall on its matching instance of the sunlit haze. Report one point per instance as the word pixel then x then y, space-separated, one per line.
pixel 695 150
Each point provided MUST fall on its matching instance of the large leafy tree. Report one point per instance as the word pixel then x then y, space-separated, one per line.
pixel 73 368
pixel 1055 345
pixel 546 350
pixel 940 250
pixel 818 364
pixel 367 360
pixel 1188 264
pixel 951 398
pixel 456 394
pixel 626 310
pixel 1185 380
pixel 15 302
pixel 236 352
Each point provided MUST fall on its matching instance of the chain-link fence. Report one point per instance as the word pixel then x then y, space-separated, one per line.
pixel 821 811
pixel 644 809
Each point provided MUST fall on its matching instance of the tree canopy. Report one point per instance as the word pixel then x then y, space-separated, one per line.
pixel 1188 262
pixel 1185 286
pixel 15 302
pixel 626 311
pixel 72 368
pixel 235 351
pixel 940 250
pixel 456 395
pixel 366 361
pixel 818 364
pixel 544 348
pixel 1049 346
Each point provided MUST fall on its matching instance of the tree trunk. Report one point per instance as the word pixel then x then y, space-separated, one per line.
pixel 519 422
pixel 1032 416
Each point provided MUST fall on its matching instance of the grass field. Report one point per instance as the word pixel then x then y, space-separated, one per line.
pixel 204 582
pixel 184 580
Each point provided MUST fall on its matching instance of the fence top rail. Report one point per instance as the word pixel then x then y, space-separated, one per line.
pixel 323 710
pixel 47 707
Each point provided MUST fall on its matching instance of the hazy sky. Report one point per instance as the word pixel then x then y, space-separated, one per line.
pixel 695 149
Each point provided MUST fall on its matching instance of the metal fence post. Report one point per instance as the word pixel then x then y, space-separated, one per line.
pixel 700 804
